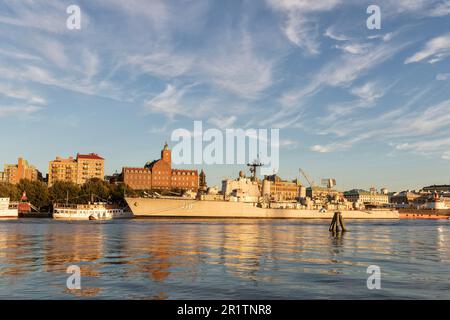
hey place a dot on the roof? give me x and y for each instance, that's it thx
(362, 192)
(89, 156)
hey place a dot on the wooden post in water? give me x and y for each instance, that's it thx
(334, 223)
(337, 220)
(341, 222)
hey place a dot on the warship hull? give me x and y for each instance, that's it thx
(158, 207)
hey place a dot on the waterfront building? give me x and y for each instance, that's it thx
(405, 198)
(281, 190)
(89, 166)
(79, 170)
(371, 197)
(159, 174)
(13, 173)
(323, 193)
(437, 188)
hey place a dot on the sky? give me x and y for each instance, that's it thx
(368, 107)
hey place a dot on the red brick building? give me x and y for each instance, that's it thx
(159, 174)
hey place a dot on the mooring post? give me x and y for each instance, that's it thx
(341, 222)
(334, 223)
(337, 222)
(331, 228)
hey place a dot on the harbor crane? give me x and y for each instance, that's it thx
(310, 181)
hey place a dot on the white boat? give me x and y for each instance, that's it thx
(6, 211)
(91, 211)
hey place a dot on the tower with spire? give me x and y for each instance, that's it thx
(166, 154)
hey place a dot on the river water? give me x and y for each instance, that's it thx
(223, 259)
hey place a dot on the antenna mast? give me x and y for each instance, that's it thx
(253, 166)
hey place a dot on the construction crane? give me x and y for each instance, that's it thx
(310, 181)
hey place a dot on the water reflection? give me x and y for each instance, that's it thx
(182, 258)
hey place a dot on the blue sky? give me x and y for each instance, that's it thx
(367, 107)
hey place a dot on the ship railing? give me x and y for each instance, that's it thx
(81, 206)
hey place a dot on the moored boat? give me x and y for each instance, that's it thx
(434, 208)
(6, 211)
(91, 211)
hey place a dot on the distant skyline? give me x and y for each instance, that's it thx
(367, 107)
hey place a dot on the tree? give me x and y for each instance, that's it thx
(119, 191)
(37, 192)
(8, 190)
(59, 191)
(97, 188)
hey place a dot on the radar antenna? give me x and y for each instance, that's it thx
(253, 166)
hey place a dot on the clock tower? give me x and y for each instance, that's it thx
(166, 154)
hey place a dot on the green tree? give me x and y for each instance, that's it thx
(8, 190)
(37, 192)
(119, 191)
(61, 190)
(97, 188)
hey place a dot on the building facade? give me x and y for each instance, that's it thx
(405, 198)
(89, 166)
(281, 190)
(79, 170)
(13, 173)
(437, 188)
(160, 175)
(371, 197)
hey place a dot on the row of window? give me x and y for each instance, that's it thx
(177, 173)
(164, 178)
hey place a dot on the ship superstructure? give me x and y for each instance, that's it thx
(6, 210)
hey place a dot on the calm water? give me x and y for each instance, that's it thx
(223, 259)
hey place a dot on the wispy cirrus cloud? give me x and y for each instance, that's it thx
(354, 48)
(21, 94)
(369, 91)
(331, 33)
(167, 102)
(48, 16)
(161, 63)
(440, 9)
(299, 27)
(434, 50)
(343, 71)
(239, 69)
(223, 122)
(417, 127)
(18, 111)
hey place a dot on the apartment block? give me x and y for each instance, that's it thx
(78, 170)
(13, 173)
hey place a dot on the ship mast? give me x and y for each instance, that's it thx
(253, 166)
